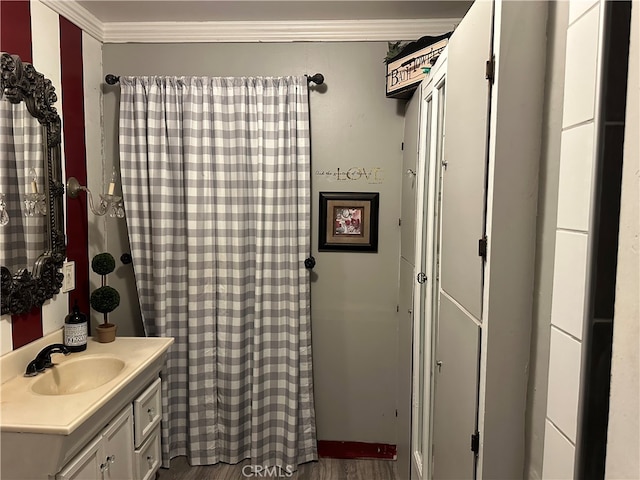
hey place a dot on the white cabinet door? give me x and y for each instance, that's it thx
(109, 456)
(118, 447)
(85, 465)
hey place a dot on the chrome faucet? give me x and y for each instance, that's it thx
(43, 359)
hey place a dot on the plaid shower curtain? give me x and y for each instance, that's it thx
(216, 180)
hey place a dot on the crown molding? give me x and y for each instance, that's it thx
(78, 15)
(270, 31)
(282, 31)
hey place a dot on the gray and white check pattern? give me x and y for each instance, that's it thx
(216, 182)
(24, 238)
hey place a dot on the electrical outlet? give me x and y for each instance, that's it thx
(69, 272)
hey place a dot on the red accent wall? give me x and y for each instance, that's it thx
(75, 156)
(26, 328)
(15, 28)
(15, 38)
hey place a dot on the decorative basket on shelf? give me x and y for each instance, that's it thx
(104, 299)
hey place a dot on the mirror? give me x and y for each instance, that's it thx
(32, 242)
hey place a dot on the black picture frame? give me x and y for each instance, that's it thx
(348, 222)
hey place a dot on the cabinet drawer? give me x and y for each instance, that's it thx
(147, 410)
(147, 457)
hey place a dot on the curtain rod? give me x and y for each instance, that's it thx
(318, 78)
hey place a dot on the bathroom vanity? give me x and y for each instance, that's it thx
(94, 415)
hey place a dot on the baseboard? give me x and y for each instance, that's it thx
(352, 450)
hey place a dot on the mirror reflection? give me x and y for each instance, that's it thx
(32, 240)
(24, 238)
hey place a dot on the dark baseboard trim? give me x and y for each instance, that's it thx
(353, 450)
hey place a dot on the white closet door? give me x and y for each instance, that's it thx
(465, 151)
(458, 329)
(456, 399)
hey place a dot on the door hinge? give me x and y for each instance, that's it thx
(490, 69)
(402, 146)
(397, 308)
(396, 413)
(475, 442)
(399, 222)
(482, 247)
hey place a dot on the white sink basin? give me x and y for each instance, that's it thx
(78, 375)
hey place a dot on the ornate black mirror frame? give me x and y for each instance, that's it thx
(24, 290)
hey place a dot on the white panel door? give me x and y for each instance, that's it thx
(405, 317)
(456, 393)
(465, 151)
(409, 179)
(457, 349)
(426, 284)
(407, 262)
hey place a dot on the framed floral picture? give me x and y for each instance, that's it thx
(348, 222)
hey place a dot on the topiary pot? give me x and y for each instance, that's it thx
(106, 332)
(104, 299)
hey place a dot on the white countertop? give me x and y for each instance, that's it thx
(22, 410)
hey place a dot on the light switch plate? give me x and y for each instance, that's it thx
(69, 272)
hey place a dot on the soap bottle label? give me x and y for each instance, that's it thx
(75, 334)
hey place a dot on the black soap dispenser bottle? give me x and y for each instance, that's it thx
(75, 330)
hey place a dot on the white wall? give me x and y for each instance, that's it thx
(97, 165)
(46, 59)
(517, 101)
(558, 14)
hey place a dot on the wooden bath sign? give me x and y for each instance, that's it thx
(405, 70)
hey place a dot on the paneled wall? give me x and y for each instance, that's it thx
(63, 53)
(575, 194)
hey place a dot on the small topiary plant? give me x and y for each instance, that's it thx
(104, 299)
(103, 264)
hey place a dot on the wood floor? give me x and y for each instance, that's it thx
(324, 469)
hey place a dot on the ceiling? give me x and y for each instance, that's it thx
(226, 10)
